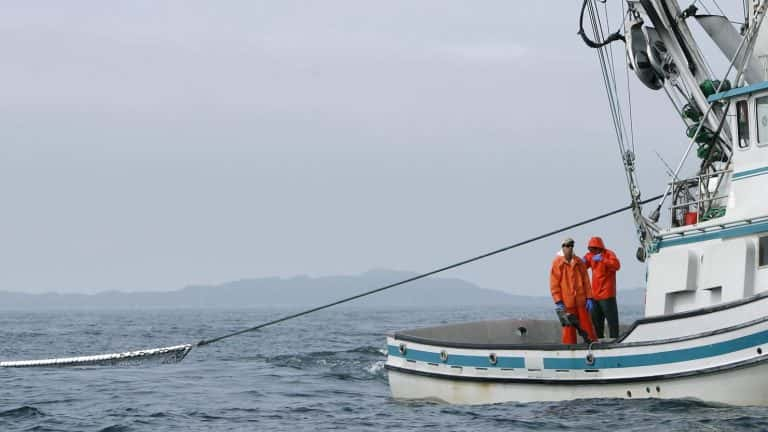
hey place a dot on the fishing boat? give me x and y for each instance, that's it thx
(704, 334)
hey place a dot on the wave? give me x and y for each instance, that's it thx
(23, 412)
(360, 363)
(115, 428)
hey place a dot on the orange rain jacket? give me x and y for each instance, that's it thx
(603, 272)
(569, 282)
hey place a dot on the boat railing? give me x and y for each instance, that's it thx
(699, 198)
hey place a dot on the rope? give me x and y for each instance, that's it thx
(613, 103)
(629, 94)
(423, 275)
(608, 71)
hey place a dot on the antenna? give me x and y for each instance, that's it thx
(670, 172)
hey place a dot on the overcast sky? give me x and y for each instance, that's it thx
(149, 145)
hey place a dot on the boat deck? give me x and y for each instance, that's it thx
(505, 333)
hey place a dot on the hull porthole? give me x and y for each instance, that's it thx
(492, 358)
(443, 356)
(590, 359)
(402, 348)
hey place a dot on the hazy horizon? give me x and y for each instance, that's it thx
(147, 146)
(352, 284)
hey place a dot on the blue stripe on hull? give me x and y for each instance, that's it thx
(738, 91)
(601, 362)
(723, 233)
(652, 359)
(457, 359)
(750, 173)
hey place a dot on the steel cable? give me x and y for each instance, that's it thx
(423, 275)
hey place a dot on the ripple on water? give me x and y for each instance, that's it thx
(115, 428)
(358, 364)
(23, 412)
(322, 377)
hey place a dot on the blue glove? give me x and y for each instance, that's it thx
(597, 258)
(590, 304)
(559, 306)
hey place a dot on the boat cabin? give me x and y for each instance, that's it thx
(716, 248)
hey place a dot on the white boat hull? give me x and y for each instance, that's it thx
(742, 386)
(717, 354)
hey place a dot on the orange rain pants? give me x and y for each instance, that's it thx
(585, 322)
(569, 283)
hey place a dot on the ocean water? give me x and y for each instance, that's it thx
(319, 372)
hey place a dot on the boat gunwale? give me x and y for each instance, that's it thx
(692, 313)
(615, 344)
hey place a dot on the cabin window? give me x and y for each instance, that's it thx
(763, 248)
(742, 123)
(761, 105)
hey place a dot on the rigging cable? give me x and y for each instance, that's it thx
(611, 64)
(676, 104)
(423, 275)
(609, 81)
(644, 228)
(719, 8)
(629, 94)
(590, 43)
(701, 3)
(745, 5)
(683, 16)
(612, 102)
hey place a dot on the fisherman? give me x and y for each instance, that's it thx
(604, 265)
(571, 291)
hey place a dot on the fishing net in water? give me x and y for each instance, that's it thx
(164, 355)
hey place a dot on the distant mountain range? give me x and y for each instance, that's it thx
(300, 291)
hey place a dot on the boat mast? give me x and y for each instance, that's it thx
(690, 68)
(663, 54)
(741, 61)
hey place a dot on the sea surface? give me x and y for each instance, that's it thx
(319, 372)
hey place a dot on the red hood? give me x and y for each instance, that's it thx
(596, 242)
